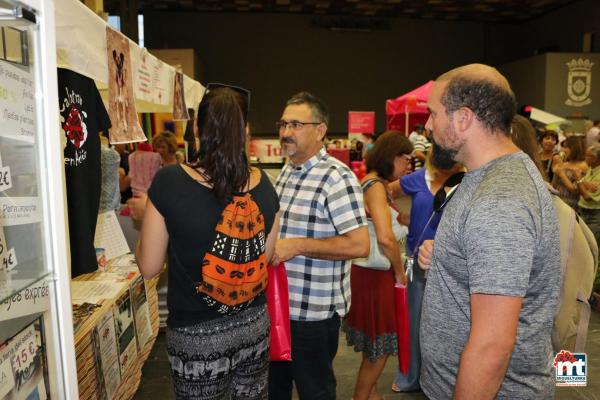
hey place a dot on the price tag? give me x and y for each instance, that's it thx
(9, 261)
(5, 179)
(24, 355)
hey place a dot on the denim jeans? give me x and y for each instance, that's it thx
(314, 346)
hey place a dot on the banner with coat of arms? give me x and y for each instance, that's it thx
(579, 82)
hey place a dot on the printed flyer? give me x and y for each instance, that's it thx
(107, 355)
(125, 329)
(141, 312)
(22, 365)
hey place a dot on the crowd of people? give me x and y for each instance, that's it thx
(482, 232)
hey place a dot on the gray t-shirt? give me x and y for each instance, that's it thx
(498, 235)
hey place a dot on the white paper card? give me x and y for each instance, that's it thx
(109, 236)
(17, 103)
(94, 291)
(20, 210)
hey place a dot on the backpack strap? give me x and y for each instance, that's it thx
(585, 312)
(566, 248)
(582, 298)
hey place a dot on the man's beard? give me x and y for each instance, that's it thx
(442, 158)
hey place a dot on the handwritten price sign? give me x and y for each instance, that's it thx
(5, 179)
(8, 257)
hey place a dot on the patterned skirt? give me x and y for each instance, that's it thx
(225, 358)
(370, 325)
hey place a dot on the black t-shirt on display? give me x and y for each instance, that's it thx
(82, 117)
(191, 212)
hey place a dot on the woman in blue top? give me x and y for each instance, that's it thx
(421, 186)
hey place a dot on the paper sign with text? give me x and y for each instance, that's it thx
(361, 122)
(31, 300)
(20, 210)
(17, 103)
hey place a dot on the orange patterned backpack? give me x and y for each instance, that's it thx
(234, 270)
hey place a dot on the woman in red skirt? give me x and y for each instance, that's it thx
(370, 325)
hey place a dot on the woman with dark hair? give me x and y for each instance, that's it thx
(218, 326)
(548, 141)
(568, 172)
(370, 325)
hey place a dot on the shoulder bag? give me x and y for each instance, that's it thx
(376, 259)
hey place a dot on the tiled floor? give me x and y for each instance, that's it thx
(156, 381)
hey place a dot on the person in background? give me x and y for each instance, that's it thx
(370, 325)
(548, 155)
(165, 144)
(421, 186)
(592, 135)
(323, 227)
(371, 142)
(494, 284)
(110, 195)
(190, 136)
(523, 135)
(417, 130)
(589, 185)
(124, 180)
(184, 206)
(568, 172)
(421, 146)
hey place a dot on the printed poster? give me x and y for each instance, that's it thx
(125, 330)
(141, 312)
(17, 103)
(121, 101)
(107, 355)
(180, 111)
(361, 122)
(153, 79)
(22, 364)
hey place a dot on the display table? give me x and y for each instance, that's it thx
(98, 374)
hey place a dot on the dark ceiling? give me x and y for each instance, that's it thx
(507, 11)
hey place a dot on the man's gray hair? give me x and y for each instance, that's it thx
(317, 106)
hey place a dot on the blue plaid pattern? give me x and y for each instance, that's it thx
(320, 198)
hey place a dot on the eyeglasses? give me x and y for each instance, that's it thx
(442, 198)
(244, 92)
(293, 125)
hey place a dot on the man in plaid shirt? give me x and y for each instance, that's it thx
(323, 227)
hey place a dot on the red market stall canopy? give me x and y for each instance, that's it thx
(411, 104)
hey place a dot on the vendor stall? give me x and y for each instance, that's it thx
(404, 112)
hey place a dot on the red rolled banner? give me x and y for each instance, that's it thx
(402, 328)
